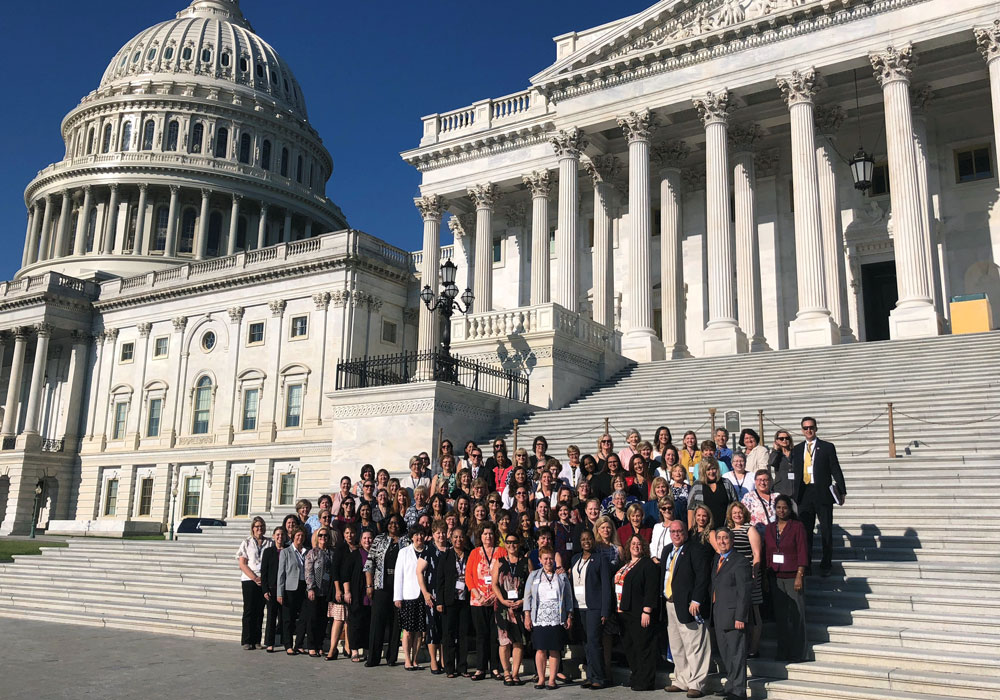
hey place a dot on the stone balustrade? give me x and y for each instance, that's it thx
(47, 282)
(483, 115)
(541, 318)
(417, 257)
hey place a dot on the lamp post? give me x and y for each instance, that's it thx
(446, 303)
(173, 510)
(34, 508)
(862, 164)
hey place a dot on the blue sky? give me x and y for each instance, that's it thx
(369, 71)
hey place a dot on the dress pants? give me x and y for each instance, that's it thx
(692, 651)
(273, 623)
(358, 624)
(384, 617)
(253, 612)
(733, 652)
(315, 613)
(487, 642)
(455, 623)
(789, 618)
(810, 510)
(293, 621)
(588, 625)
(640, 650)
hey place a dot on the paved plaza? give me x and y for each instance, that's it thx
(50, 661)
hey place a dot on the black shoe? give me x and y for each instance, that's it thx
(825, 571)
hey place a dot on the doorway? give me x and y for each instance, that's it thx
(878, 282)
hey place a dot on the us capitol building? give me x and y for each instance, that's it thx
(678, 183)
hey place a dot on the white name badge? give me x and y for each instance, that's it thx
(488, 580)
(791, 476)
(512, 594)
(618, 589)
(569, 546)
(581, 594)
(778, 558)
(546, 593)
(459, 585)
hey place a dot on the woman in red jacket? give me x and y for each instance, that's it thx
(787, 558)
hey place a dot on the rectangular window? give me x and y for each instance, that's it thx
(497, 250)
(121, 413)
(161, 347)
(880, 180)
(146, 496)
(973, 164)
(128, 352)
(111, 498)
(251, 399)
(300, 326)
(552, 242)
(388, 332)
(255, 334)
(293, 407)
(192, 496)
(153, 420)
(286, 489)
(242, 495)
(202, 410)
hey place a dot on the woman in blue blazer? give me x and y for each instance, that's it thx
(590, 576)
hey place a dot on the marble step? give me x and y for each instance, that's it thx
(953, 642)
(220, 631)
(42, 604)
(943, 622)
(221, 605)
(811, 680)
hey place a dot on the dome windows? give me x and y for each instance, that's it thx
(126, 136)
(244, 64)
(186, 53)
(298, 170)
(136, 56)
(168, 53)
(260, 70)
(148, 132)
(151, 54)
(286, 86)
(173, 130)
(106, 140)
(265, 155)
(206, 55)
(186, 242)
(197, 136)
(284, 162)
(90, 141)
(245, 143)
(221, 142)
(124, 60)
(225, 59)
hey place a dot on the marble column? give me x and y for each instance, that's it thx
(828, 121)
(82, 221)
(669, 157)
(540, 183)
(43, 332)
(484, 197)
(140, 220)
(914, 315)
(12, 405)
(77, 373)
(722, 335)
(988, 42)
(34, 231)
(201, 237)
(568, 145)
(286, 231)
(813, 326)
(111, 228)
(749, 307)
(639, 342)
(262, 227)
(62, 232)
(603, 170)
(309, 229)
(920, 97)
(234, 225)
(431, 208)
(170, 249)
(32, 211)
(44, 243)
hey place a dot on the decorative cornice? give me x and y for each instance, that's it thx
(744, 137)
(430, 206)
(235, 313)
(829, 119)
(800, 87)
(180, 323)
(713, 107)
(893, 64)
(452, 153)
(144, 329)
(484, 196)
(603, 168)
(568, 143)
(277, 306)
(539, 182)
(637, 126)
(988, 41)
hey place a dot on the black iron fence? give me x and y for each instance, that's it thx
(409, 367)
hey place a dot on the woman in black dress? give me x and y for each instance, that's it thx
(427, 572)
(352, 581)
(510, 573)
(637, 591)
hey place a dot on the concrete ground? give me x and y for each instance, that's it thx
(52, 661)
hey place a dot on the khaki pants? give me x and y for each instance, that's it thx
(691, 649)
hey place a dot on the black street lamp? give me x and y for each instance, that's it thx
(36, 505)
(446, 304)
(862, 164)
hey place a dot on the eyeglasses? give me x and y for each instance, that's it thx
(476, 455)
(784, 438)
(324, 517)
(666, 509)
(321, 537)
(369, 486)
(809, 427)
(512, 541)
(521, 493)
(605, 441)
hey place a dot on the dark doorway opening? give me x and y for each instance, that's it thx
(878, 283)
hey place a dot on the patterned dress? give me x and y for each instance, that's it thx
(741, 543)
(510, 622)
(432, 555)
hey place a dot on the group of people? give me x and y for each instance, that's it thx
(651, 546)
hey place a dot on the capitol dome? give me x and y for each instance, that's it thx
(196, 144)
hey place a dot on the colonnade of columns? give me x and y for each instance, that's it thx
(60, 225)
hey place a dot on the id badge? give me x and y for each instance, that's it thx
(512, 594)
(569, 546)
(460, 585)
(488, 580)
(778, 558)
(618, 589)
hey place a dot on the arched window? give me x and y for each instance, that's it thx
(244, 64)
(265, 155)
(241, 233)
(90, 141)
(197, 135)
(151, 54)
(148, 131)
(298, 170)
(186, 53)
(214, 233)
(188, 221)
(206, 55)
(224, 59)
(221, 142)
(202, 406)
(284, 162)
(173, 130)
(133, 218)
(162, 219)
(106, 141)
(168, 53)
(245, 143)
(91, 228)
(126, 136)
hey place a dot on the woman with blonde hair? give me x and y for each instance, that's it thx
(702, 532)
(605, 447)
(401, 503)
(319, 583)
(249, 557)
(606, 541)
(712, 491)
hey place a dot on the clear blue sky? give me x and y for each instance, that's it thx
(369, 71)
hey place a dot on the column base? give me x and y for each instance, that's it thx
(724, 340)
(847, 335)
(759, 344)
(642, 346)
(678, 351)
(813, 332)
(917, 321)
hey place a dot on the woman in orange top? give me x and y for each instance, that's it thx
(479, 580)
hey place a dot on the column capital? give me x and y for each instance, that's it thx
(143, 186)
(174, 190)
(766, 162)
(988, 41)
(80, 338)
(539, 182)
(670, 155)
(800, 87)
(829, 118)
(484, 196)
(86, 189)
(743, 137)
(235, 313)
(49, 199)
(430, 206)
(638, 126)
(144, 329)
(180, 323)
(263, 208)
(461, 224)
(110, 335)
(321, 300)
(921, 96)
(693, 179)
(713, 107)
(277, 306)
(603, 168)
(237, 197)
(893, 64)
(569, 143)
(43, 329)
(113, 187)
(205, 193)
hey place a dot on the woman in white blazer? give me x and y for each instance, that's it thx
(408, 599)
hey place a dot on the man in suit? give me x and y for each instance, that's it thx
(479, 471)
(684, 582)
(731, 583)
(815, 468)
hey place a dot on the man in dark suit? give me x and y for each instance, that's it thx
(684, 583)
(731, 583)
(477, 467)
(815, 468)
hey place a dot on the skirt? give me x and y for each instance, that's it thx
(548, 637)
(336, 612)
(412, 617)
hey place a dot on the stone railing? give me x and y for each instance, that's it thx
(484, 115)
(417, 257)
(46, 282)
(541, 318)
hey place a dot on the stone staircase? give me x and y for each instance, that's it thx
(908, 613)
